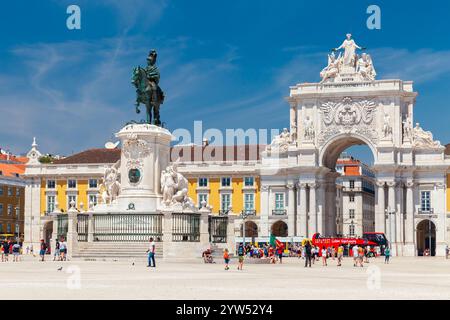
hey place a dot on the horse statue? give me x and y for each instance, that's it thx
(148, 91)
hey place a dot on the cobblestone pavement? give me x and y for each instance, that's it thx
(404, 278)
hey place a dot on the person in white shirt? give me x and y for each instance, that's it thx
(151, 254)
(355, 255)
(324, 256)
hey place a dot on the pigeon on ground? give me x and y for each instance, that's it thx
(132, 264)
(60, 268)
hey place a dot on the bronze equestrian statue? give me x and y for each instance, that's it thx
(148, 91)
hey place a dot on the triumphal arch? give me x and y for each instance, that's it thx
(351, 106)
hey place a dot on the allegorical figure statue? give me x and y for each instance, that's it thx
(148, 92)
(349, 46)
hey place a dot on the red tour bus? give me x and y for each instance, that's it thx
(373, 239)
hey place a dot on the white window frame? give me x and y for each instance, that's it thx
(72, 188)
(351, 213)
(96, 183)
(226, 177)
(252, 201)
(68, 200)
(199, 196)
(46, 184)
(1, 208)
(10, 209)
(253, 182)
(10, 192)
(280, 201)
(422, 208)
(221, 201)
(207, 182)
(48, 202)
(94, 196)
(351, 230)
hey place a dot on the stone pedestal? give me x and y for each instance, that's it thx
(231, 240)
(72, 234)
(145, 152)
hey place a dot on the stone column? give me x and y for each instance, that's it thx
(321, 207)
(54, 233)
(204, 224)
(301, 221)
(392, 236)
(231, 241)
(72, 234)
(312, 225)
(291, 210)
(90, 227)
(264, 227)
(409, 223)
(380, 215)
(167, 233)
(399, 213)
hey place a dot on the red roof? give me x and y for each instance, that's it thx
(92, 156)
(184, 153)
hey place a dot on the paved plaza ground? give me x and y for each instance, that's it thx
(404, 278)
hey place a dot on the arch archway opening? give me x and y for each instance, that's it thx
(280, 229)
(426, 238)
(251, 229)
(47, 231)
(350, 197)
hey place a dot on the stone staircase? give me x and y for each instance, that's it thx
(115, 251)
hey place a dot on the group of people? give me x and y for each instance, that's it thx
(11, 247)
(60, 253)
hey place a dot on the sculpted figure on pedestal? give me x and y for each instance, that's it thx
(387, 129)
(281, 141)
(111, 184)
(365, 67)
(174, 187)
(332, 69)
(424, 139)
(309, 128)
(349, 46)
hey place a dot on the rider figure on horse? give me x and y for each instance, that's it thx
(148, 92)
(152, 75)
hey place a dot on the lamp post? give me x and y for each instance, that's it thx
(244, 215)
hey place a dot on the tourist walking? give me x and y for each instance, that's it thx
(56, 254)
(16, 251)
(307, 250)
(313, 254)
(5, 253)
(42, 250)
(226, 258)
(333, 253)
(361, 256)
(241, 254)
(324, 256)
(355, 255)
(340, 255)
(387, 254)
(280, 253)
(63, 249)
(151, 254)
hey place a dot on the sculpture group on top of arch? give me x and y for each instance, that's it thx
(349, 64)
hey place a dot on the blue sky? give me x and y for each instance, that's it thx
(227, 63)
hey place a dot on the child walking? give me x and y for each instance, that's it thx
(226, 258)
